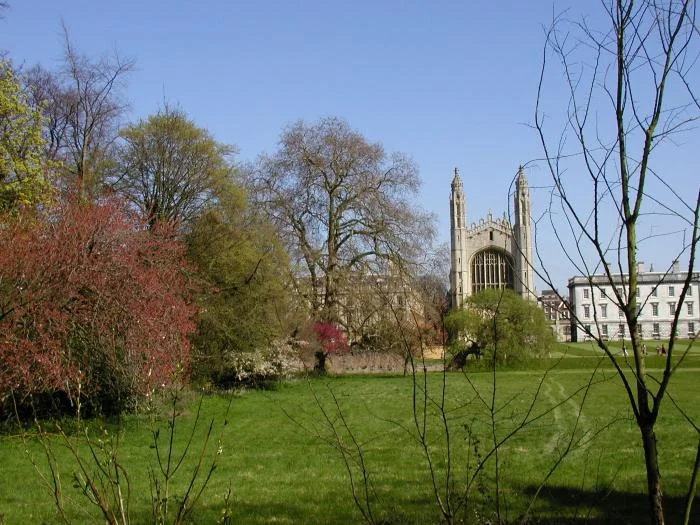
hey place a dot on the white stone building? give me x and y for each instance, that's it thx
(490, 253)
(592, 300)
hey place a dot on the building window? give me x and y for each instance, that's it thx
(671, 308)
(619, 292)
(604, 310)
(653, 291)
(621, 330)
(620, 312)
(586, 311)
(655, 331)
(671, 291)
(605, 331)
(585, 293)
(689, 306)
(691, 329)
(587, 329)
(690, 290)
(655, 309)
(491, 269)
(603, 293)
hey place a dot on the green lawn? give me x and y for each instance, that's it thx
(280, 470)
(590, 349)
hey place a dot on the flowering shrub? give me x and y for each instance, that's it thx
(278, 361)
(92, 306)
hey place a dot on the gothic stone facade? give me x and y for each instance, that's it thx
(492, 253)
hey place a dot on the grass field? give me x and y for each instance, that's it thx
(590, 349)
(275, 457)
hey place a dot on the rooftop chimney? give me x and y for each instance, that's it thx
(676, 268)
(640, 267)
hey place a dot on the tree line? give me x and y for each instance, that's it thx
(139, 254)
(123, 241)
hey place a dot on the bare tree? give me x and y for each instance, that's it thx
(630, 96)
(94, 107)
(82, 104)
(342, 203)
(48, 94)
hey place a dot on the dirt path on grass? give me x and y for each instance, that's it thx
(564, 412)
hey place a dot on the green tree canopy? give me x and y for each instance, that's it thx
(22, 180)
(243, 300)
(170, 168)
(500, 321)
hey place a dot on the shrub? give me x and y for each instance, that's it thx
(93, 307)
(260, 367)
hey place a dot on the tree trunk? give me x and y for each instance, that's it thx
(691, 488)
(331, 314)
(330, 306)
(655, 494)
(320, 365)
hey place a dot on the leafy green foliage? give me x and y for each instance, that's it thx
(170, 168)
(22, 180)
(500, 323)
(243, 298)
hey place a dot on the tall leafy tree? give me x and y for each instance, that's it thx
(343, 205)
(244, 300)
(501, 325)
(22, 170)
(169, 167)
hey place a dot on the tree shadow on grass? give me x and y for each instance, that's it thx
(594, 507)
(330, 512)
(558, 505)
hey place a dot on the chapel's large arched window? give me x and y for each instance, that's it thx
(491, 269)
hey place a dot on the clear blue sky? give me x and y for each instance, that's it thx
(450, 83)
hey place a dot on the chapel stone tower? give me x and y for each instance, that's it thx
(522, 238)
(491, 253)
(458, 262)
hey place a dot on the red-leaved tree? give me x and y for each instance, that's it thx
(93, 307)
(332, 341)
